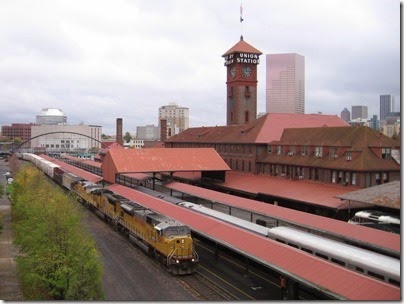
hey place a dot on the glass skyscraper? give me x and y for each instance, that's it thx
(285, 83)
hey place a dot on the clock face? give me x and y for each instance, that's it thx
(246, 71)
(233, 72)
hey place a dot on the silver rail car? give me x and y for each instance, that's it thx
(356, 259)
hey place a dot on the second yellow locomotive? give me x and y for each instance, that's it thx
(165, 238)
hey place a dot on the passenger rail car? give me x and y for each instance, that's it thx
(363, 261)
(167, 239)
(378, 220)
(374, 217)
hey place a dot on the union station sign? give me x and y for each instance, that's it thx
(242, 58)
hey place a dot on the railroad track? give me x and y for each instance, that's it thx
(205, 289)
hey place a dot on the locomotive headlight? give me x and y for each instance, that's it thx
(177, 261)
(193, 260)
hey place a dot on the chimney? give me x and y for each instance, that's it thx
(119, 136)
(163, 129)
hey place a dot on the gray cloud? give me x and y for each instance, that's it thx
(99, 60)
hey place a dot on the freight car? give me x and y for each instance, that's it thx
(360, 260)
(167, 239)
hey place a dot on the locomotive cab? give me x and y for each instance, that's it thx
(180, 251)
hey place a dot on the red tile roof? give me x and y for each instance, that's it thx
(265, 184)
(359, 140)
(275, 124)
(303, 191)
(161, 160)
(338, 136)
(83, 160)
(91, 163)
(262, 130)
(242, 47)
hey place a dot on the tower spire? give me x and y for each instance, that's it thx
(241, 21)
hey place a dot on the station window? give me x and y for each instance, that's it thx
(333, 152)
(269, 151)
(376, 275)
(337, 262)
(307, 250)
(246, 116)
(353, 179)
(333, 177)
(322, 256)
(305, 150)
(386, 153)
(318, 151)
(394, 282)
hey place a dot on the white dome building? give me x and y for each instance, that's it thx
(50, 116)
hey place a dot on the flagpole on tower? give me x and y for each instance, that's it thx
(241, 21)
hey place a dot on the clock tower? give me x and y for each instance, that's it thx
(241, 62)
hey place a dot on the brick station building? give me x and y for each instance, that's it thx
(319, 148)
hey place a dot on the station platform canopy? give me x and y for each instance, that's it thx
(155, 160)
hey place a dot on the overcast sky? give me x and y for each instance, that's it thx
(100, 60)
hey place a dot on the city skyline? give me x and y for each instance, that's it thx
(101, 60)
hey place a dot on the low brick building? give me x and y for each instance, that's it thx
(18, 131)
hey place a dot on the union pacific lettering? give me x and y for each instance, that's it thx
(139, 222)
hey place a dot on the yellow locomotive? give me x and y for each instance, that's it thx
(168, 240)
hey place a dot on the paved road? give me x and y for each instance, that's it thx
(10, 288)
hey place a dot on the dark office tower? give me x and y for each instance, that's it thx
(386, 106)
(119, 136)
(346, 115)
(359, 112)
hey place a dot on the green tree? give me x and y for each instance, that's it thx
(17, 140)
(60, 260)
(127, 137)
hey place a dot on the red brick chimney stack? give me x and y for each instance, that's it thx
(119, 135)
(163, 129)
